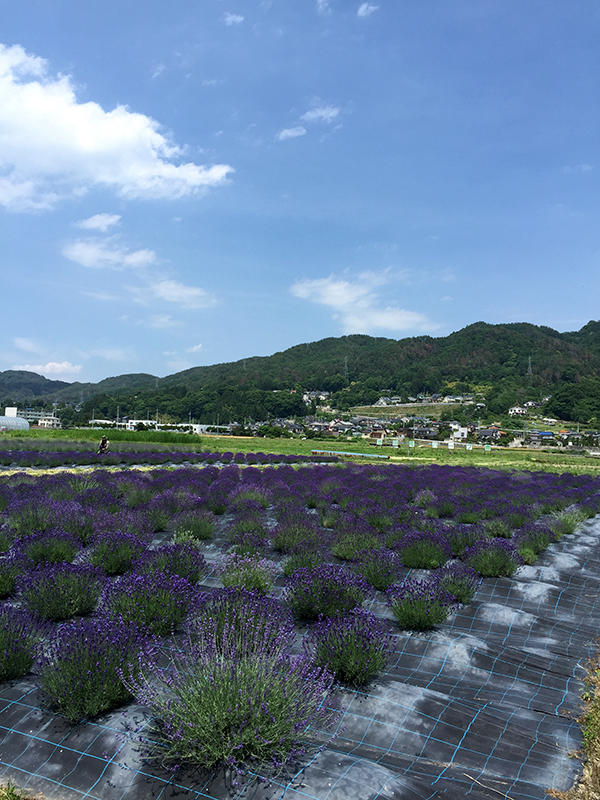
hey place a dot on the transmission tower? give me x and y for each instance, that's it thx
(529, 372)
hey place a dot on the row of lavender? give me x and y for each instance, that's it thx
(78, 548)
(49, 459)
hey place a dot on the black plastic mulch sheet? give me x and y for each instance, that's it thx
(482, 707)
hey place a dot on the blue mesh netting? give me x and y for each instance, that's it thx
(482, 707)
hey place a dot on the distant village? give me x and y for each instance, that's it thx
(388, 429)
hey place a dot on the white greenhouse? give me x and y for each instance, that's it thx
(13, 424)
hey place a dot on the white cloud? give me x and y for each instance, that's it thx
(580, 168)
(102, 296)
(366, 9)
(158, 70)
(232, 19)
(291, 133)
(187, 296)
(178, 365)
(358, 306)
(323, 6)
(321, 114)
(27, 344)
(194, 349)
(55, 147)
(51, 368)
(162, 321)
(101, 254)
(113, 353)
(99, 222)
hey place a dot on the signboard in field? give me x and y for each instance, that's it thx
(450, 445)
(487, 447)
(434, 445)
(469, 447)
(411, 443)
(379, 442)
(395, 442)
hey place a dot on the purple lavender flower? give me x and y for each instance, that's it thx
(20, 633)
(459, 580)
(240, 713)
(156, 603)
(239, 621)
(182, 559)
(254, 574)
(420, 604)
(422, 550)
(79, 667)
(355, 646)
(115, 551)
(379, 566)
(60, 591)
(325, 590)
(493, 558)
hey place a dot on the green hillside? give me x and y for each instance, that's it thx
(509, 363)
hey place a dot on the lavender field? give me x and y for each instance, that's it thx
(266, 625)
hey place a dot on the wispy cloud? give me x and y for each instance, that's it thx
(113, 353)
(161, 321)
(321, 114)
(99, 254)
(186, 296)
(29, 345)
(366, 9)
(53, 368)
(358, 305)
(580, 168)
(194, 349)
(323, 6)
(102, 296)
(54, 146)
(291, 133)
(232, 19)
(99, 222)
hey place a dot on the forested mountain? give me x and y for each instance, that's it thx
(508, 363)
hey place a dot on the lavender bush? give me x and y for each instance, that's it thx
(182, 559)
(156, 603)
(115, 551)
(493, 558)
(199, 524)
(49, 547)
(358, 537)
(422, 550)
(380, 567)
(355, 646)
(251, 573)
(60, 591)
(302, 557)
(419, 605)
(294, 530)
(459, 580)
(565, 522)
(235, 712)
(9, 569)
(325, 591)
(243, 620)
(460, 537)
(531, 540)
(20, 633)
(79, 666)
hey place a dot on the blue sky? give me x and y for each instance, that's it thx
(197, 182)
